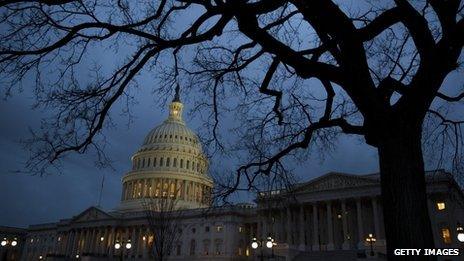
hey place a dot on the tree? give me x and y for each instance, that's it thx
(381, 68)
(164, 220)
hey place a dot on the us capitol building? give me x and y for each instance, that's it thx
(328, 218)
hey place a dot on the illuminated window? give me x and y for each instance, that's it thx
(247, 251)
(219, 228)
(445, 234)
(441, 205)
(240, 229)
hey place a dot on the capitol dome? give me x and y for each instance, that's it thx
(170, 163)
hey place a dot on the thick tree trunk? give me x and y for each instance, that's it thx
(407, 221)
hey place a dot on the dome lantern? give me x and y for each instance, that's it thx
(175, 108)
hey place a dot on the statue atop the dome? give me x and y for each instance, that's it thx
(175, 108)
(177, 94)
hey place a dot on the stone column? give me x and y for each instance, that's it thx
(104, 244)
(86, 242)
(330, 243)
(142, 189)
(77, 241)
(133, 240)
(145, 243)
(92, 240)
(123, 194)
(184, 190)
(376, 218)
(111, 241)
(315, 229)
(289, 226)
(265, 226)
(68, 243)
(346, 244)
(302, 229)
(360, 224)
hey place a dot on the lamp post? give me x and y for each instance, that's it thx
(6, 243)
(268, 243)
(121, 245)
(371, 240)
(460, 233)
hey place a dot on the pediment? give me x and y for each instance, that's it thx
(91, 214)
(334, 181)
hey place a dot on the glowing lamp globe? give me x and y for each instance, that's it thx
(128, 245)
(461, 237)
(254, 245)
(3, 243)
(269, 244)
(117, 246)
(14, 243)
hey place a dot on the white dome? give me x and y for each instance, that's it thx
(170, 133)
(170, 163)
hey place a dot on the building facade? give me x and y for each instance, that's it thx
(327, 218)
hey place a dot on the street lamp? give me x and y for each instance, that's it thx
(460, 233)
(371, 240)
(8, 244)
(118, 245)
(269, 243)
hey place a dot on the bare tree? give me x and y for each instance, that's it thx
(304, 71)
(164, 220)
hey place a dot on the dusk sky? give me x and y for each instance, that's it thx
(30, 199)
(33, 199)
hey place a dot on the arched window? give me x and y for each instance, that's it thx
(143, 163)
(188, 164)
(181, 163)
(175, 163)
(154, 162)
(192, 247)
(149, 161)
(161, 162)
(193, 165)
(168, 162)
